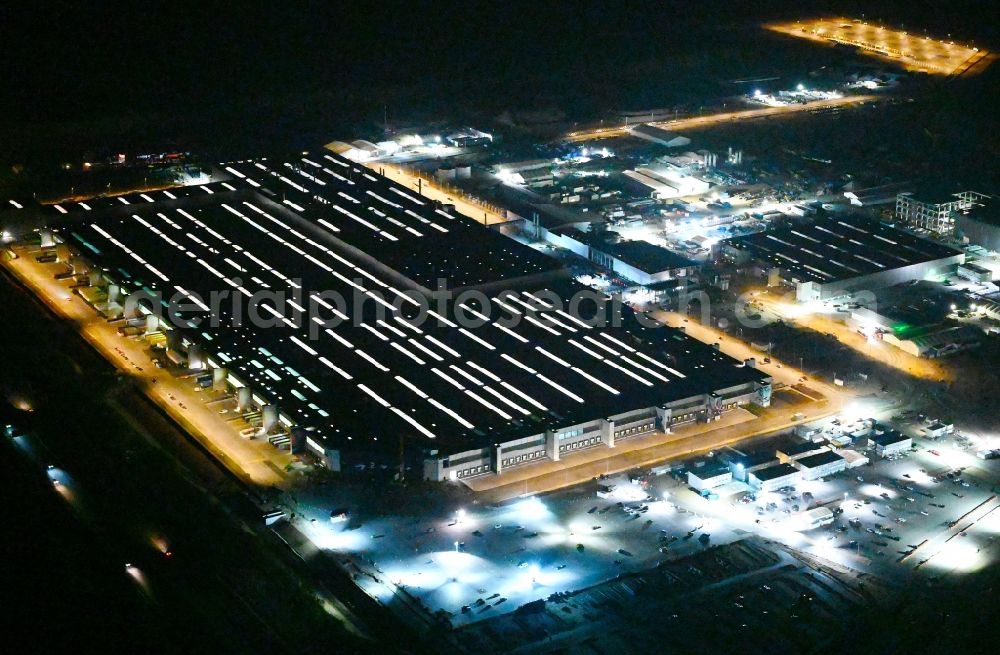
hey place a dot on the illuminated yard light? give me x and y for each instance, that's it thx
(532, 508)
(959, 556)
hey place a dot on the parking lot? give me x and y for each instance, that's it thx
(929, 511)
(473, 561)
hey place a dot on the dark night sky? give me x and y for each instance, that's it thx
(201, 74)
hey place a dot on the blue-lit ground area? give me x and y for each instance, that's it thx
(928, 513)
(475, 562)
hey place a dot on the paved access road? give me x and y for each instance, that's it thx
(256, 462)
(722, 118)
(880, 351)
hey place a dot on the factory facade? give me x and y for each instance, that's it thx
(639, 261)
(649, 132)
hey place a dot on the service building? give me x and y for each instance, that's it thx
(891, 442)
(820, 465)
(774, 477)
(709, 477)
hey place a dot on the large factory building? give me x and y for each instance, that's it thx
(837, 256)
(329, 331)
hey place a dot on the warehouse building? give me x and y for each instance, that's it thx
(336, 260)
(639, 261)
(891, 442)
(915, 319)
(975, 273)
(657, 189)
(938, 429)
(709, 477)
(853, 458)
(665, 182)
(820, 465)
(811, 519)
(938, 341)
(649, 132)
(743, 464)
(835, 256)
(642, 262)
(774, 477)
(980, 224)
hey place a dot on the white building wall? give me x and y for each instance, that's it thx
(776, 483)
(893, 449)
(567, 242)
(699, 483)
(811, 291)
(574, 437)
(824, 470)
